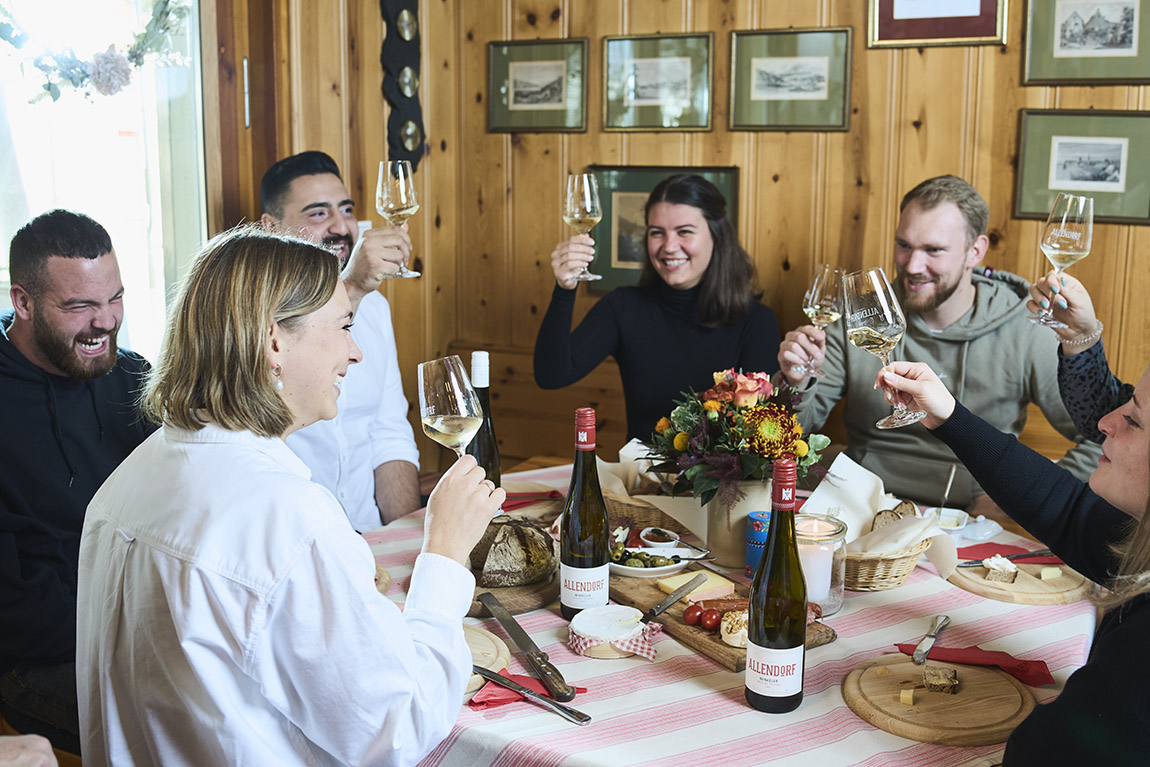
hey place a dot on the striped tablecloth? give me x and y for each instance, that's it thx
(684, 708)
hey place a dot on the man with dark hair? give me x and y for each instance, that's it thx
(970, 328)
(366, 455)
(68, 419)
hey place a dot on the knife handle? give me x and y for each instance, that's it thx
(551, 678)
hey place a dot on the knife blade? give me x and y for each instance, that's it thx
(574, 715)
(675, 596)
(544, 669)
(1019, 555)
(923, 649)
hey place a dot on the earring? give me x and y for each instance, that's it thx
(279, 382)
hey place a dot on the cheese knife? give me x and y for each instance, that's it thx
(576, 716)
(1019, 555)
(674, 597)
(923, 649)
(544, 669)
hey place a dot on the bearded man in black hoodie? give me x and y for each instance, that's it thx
(67, 419)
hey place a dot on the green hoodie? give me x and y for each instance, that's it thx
(992, 359)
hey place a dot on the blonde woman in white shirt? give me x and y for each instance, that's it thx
(227, 612)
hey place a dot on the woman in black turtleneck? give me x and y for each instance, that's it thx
(695, 311)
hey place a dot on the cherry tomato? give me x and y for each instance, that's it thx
(710, 619)
(692, 614)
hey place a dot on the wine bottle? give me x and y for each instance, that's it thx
(484, 446)
(584, 549)
(777, 619)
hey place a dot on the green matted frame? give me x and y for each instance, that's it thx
(1100, 154)
(791, 79)
(988, 27)
(621, 236)
(1060, 50)
(657, 82)
(537, 86)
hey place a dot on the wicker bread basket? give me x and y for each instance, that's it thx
(639, 514)
(877, 572)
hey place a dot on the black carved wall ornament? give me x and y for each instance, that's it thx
(400, 59)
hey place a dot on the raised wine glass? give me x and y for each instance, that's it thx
(395, 200)
(1065, 240)
(875, 323)
(581, 211)
(823, 304)
(449, 409)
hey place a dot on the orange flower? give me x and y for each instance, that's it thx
(712, 406)
(663, 424)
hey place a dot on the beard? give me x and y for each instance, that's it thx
(913, 303)
(336, 240)
(61, 350)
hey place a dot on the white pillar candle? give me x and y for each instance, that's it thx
(816, 559)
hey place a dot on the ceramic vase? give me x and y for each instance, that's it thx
(727, 525)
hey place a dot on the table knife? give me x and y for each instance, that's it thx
(576, 716)
(544, 669)
(1019, 555)
(927, 642)
(675, 596)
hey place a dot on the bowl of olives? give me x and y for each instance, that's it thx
(648, 563)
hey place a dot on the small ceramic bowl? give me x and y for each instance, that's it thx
(663, 539)
(952, 521)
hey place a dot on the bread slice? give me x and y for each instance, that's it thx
(938, 679)
(999, 569)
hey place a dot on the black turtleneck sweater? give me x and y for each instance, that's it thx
(60, 438)
(661, 348)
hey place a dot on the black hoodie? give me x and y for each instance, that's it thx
(60, 438)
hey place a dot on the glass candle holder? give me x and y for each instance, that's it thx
(822, 554)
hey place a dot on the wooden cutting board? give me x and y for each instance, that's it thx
(643, 594)
(487, 651)
(1028, 588)
(988, 706)
(518, 599)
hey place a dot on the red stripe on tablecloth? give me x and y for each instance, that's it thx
(405, 558)
(390, 537)
(928, 754)
(881, 616)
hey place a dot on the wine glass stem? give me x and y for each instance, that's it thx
(460, 451)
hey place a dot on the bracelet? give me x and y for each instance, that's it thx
(1086, 339)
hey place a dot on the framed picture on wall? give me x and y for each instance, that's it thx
(916, 23)
(1075, 42)
(657, 83)
(621, 236)
(791, 79)
(537, 86)
(1104, 155)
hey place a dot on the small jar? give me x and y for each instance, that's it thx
(822, 554)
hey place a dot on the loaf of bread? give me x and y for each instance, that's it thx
(513, 551)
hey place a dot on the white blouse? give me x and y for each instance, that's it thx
(228, 615)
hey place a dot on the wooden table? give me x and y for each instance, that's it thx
(685, 708)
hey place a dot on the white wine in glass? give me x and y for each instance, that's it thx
(395, 200)
(823, 304)
(875, 324)
(581, 211)
(449, 408)
(1065, 241)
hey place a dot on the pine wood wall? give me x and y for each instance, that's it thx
(490, 214)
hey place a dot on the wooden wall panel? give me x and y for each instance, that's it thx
(491, 200)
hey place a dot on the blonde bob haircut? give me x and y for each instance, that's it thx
(213, 365)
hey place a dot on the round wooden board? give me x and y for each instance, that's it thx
(518, 599)
(1028, 588)
(988, 706)
(487, 650)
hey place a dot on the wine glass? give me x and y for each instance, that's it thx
(449, 408)
(1065, 240)
(823, 304)
(875, 323)
(395, 200)
(581, 211)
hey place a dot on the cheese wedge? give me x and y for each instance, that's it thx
(906, 697)
(715, 587)
(1050, 573)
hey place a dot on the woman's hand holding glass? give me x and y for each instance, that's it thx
(459, 510)
(918, 387)
(1068, 299)
(802, 349)
(570, 258)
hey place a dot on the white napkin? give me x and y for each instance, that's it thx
(908, 532)
(850, 493)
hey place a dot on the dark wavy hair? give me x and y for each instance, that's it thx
(730, 283)
(275, 183)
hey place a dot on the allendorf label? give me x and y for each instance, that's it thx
(583, 587)
(774, 673)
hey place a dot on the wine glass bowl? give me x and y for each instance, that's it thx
(396, 201)
(875, 323)
(823, 304)
(449, 408)
(1065, 240)
(581, 211)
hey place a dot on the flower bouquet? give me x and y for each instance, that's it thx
(733, 431)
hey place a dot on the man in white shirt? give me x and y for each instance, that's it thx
(366, 455)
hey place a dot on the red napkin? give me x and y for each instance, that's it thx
(519, 500)
(1032, 672)
(492, 694)
(986, 550)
